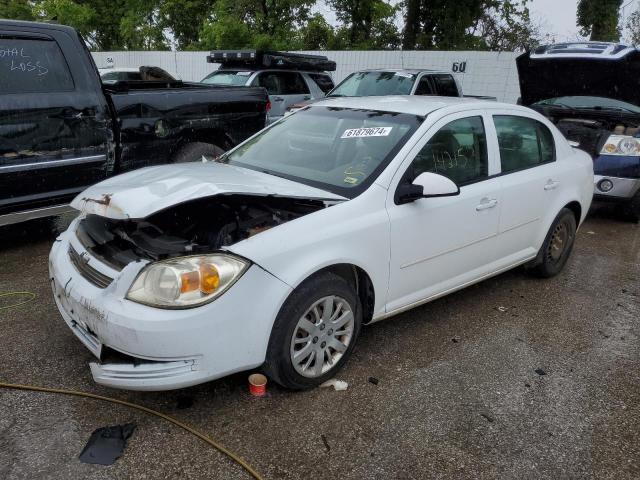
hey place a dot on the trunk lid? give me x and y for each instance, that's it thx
(143, 192)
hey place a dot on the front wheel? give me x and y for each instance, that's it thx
(314, 333)
(557, 245)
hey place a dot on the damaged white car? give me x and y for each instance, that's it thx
(345, 213)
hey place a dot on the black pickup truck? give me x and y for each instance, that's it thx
(62, 130)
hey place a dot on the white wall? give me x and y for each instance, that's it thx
(486, 73)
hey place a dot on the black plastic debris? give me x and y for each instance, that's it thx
(326, 443)
(488, 418)
(540, 371)
(373, 380)
(107, 444)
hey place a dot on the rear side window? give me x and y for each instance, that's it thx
(282, 83)
(292, 83)
(29, 65)
(445, 85)
(424, 87)
(523, 142)
(324, 82)
(457, 151)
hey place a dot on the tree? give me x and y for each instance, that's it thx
(599, 19)
(185, 19)
(367, 24)
(633, 24)
(316, 34)
(16, 9)
(507, 27)
(468, 24)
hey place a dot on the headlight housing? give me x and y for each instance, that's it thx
(621, 145)
(186, 282)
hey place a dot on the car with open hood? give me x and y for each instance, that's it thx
(274, 256)
(589, 90)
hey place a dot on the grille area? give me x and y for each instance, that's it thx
(98, 279)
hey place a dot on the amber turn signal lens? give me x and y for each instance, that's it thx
(190, 282)
(209, 278)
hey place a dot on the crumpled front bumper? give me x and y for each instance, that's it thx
(163, 349)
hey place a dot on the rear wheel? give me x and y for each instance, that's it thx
(314, 333)
(557, 245)
(196, 152)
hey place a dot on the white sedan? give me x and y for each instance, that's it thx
(348, 212)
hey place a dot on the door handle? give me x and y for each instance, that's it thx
(278, 99)
(307, 97)
(486, 204)
(551, 185)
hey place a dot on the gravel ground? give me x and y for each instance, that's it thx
(511, 378)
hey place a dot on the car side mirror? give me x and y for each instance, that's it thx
(426, 185)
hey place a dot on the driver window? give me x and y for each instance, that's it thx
(457, 151)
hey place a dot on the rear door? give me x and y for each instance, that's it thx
(530, 181)
(284, 89)
(53, 122)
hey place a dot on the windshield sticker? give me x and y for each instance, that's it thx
(402, 74)
(350, 180)
(244, 74)
(367, 132)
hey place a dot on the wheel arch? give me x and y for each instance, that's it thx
(358, 278)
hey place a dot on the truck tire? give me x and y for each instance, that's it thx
(195, 151)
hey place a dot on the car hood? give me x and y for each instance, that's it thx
(545, 78)
(143, 192)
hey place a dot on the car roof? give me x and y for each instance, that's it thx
(36, 26)
(410, 104)
(403, 70)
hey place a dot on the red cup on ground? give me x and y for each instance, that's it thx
(257, 384)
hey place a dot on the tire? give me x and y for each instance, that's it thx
(293, 333)
(193, 152)
(632, 209)
(557, 246)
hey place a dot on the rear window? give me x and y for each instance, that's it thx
(364, 84)
(446, 85)
(29, 65)
(324, 82)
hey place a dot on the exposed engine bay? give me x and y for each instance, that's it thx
(591, 130)
(202, 225)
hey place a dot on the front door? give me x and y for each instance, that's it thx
(440, 244)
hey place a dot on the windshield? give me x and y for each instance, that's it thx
(364, 84)
(335, 149)
(585, 102)
(227, 77)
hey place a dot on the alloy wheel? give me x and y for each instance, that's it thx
(322, 336)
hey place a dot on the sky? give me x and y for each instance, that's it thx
(557, 18)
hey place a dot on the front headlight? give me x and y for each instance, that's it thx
(186, 281)
(621, 145)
